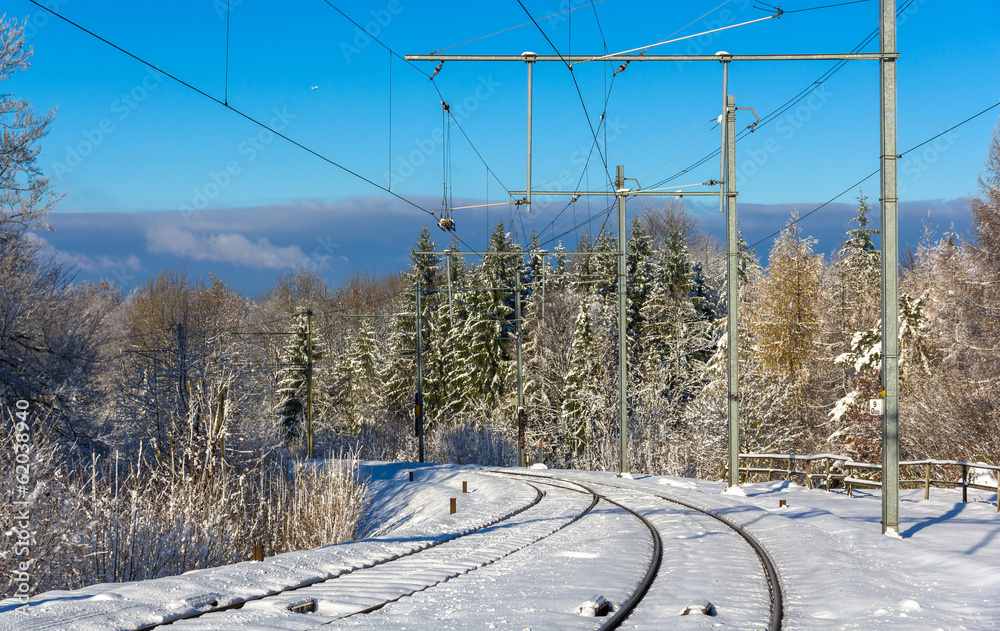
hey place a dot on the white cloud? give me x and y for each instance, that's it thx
(99, 263)
(228, 247)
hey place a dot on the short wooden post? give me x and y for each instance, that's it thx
(927, 481)
(411, 476)
(465, 486)
(454, 506)
(782, 503)
(965, 483)
(809, 474)
(258, 552)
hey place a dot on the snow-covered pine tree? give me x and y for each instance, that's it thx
(606, 266)
(676, 338)
(399, 373)
(295, 370)
(857, 273)
(365, 357)
(559, 269)
(639, 261)
(579, 395)
(485, 371)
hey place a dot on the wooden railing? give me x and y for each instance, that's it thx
(833, 470)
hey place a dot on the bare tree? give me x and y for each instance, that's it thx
(26, 196)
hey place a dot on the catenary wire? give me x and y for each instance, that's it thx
(511, 28)
(229, 107)
(770, 117)
(872, 174)
(827, 6)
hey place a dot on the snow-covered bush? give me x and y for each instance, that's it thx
(469, 443)
(158, 514)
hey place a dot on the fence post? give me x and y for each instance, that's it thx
(965, 483)
(827, 474)
(998, 491)
(809, 473)
(927, 480)
(791, 459)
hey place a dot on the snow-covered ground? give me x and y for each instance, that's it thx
(534, 570)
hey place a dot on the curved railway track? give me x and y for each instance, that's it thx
(376, 583)
(615, 618)
(767, 564)
(309, 605)
(621, 612)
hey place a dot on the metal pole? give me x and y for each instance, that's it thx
(529, 58)
(419, 397)
(890, 279)
(309, 383)
(622, 357)
(732, 288)
(520, 384)
(723, 155)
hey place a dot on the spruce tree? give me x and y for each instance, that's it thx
(366, 396)
(291, 390)
(639, 261)
(857, 274)
(400, 372)
(485, 370)
(579, 395)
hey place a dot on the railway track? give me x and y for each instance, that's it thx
(631, 495)
(369, 588)
(624, 525)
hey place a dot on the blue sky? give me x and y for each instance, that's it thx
(158, 175)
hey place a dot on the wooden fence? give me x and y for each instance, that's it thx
(832, 470)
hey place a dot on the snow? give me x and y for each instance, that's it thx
(837, 571)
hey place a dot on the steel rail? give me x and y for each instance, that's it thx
(593, 504)
(770, 571)
(240, 603)
(621, 612)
